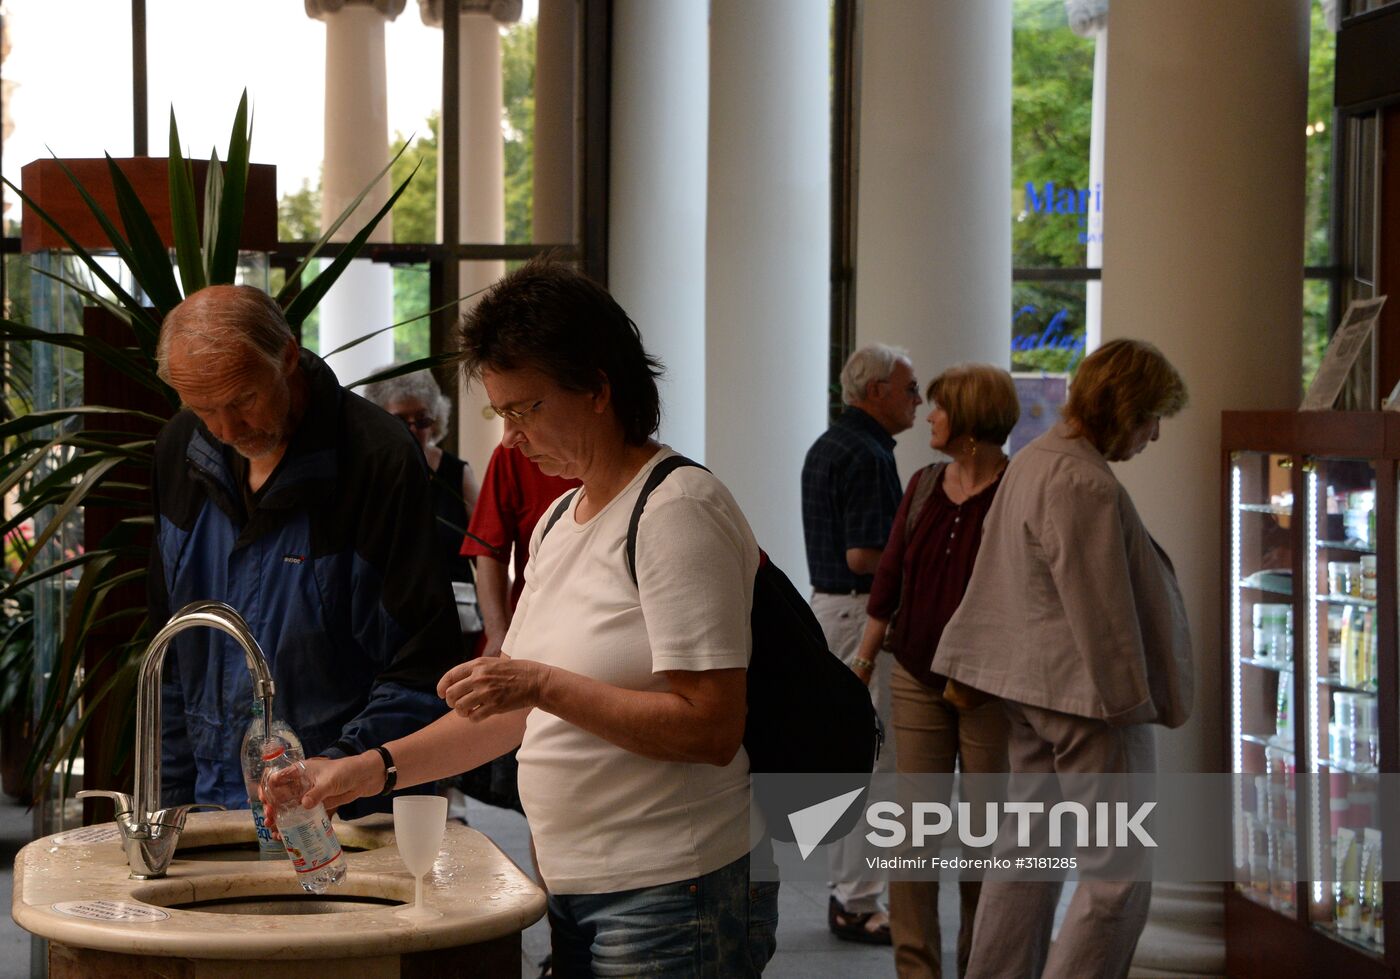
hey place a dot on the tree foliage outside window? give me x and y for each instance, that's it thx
(1317, 211)
(1052, 88)
(1052, 72)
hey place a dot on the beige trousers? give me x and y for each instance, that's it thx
(1011, 939)
(933, 737)
(842, 619)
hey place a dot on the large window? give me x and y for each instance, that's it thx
(1056, 205)
(1057, 197)
(1322, 282)
(88, 77)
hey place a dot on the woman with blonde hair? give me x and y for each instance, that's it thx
(923, 573)
(1073, 617)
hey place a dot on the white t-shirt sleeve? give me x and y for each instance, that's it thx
(696, 559)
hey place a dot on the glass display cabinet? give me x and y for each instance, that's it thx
(1310, 683)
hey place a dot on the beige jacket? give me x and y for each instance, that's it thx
(1072, 606)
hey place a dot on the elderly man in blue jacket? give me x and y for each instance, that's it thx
(307, 509)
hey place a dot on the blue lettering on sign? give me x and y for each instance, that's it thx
(1050, 199)
(1053, 337)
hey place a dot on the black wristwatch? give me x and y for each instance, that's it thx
(391, 773)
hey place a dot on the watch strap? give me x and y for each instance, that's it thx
(391, 772)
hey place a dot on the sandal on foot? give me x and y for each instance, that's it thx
(857, 926)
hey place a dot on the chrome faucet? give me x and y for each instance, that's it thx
(149, 832)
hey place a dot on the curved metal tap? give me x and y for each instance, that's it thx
(150, 833)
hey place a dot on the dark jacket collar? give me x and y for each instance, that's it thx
(861, 421)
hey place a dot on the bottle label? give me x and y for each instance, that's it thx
(266, 841)
(311, 845)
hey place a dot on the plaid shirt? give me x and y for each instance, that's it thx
(850, 492)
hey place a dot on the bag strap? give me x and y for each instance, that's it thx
(559, 511)
(928, 476)
(658, 473)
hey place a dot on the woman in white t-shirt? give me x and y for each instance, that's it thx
(627, 700)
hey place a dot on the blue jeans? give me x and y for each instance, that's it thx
(718, 925)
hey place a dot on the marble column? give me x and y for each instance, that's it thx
(1089, 18)
(481, 180)
(356, 148)
(1203, 256)
(656, 199)
(767, 285)
(933, 241)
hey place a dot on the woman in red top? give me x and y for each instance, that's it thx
(922, 576)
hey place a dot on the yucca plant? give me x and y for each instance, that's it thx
(56, 462)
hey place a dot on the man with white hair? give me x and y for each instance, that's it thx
(307, 509)
(850, 492)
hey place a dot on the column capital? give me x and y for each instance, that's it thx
(1087, 17)
(503, 11)
(321, 9)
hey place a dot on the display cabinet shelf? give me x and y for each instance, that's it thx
(1351, 939)
(1358, 601)
(1266, 741)
(1346, 545)
(1279, 666)
(1333, 681)
(1312, 680)
(1350, 767)
(1273, 584)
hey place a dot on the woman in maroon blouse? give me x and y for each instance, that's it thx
(922, 576)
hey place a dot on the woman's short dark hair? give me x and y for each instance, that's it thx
(1120, 387)
(980, 400)
(548, 316)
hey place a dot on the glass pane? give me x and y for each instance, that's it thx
(411, 305)
(1047, 326)
(1355, 7)
(1317, 213)
(277, 52)
(1316, 326)
(1359, 243)
(270, 48)
(1263, 688)
(1343, 725)
(77, 102)
(1053, 203)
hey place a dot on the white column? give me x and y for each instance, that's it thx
(481, 212)
(656, 200)
(767, 257)
(1203, 256)
(933, 238)
(556, 143)
(357, 147)
(1089, 18)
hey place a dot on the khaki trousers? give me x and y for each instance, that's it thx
(934, 736)
(1105, 918)
(842, 619)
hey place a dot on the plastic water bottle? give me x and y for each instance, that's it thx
(311, 843)
(251, 753)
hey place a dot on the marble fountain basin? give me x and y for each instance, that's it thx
(222, 912)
